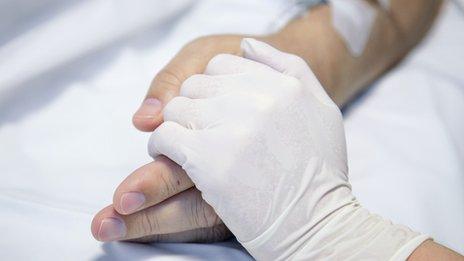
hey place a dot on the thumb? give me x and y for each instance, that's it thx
(191, 59)
(170, 139)
(285, 63)
(164, 87)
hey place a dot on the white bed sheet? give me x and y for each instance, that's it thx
(69, 83)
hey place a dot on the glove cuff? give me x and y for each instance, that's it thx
(353, 233)
(348, 233)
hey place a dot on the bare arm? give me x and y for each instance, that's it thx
(393, 35)
(430, 250)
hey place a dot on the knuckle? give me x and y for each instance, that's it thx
(178, 107)
(220, 232)
(161, 132)
(216, 233)
(152, 144)
(195, 213)
(209, 215)
(264, 102)
(202, 215)
(173, 105)
(169, 78)
(293, 86)
(194, 79)
(165, 128)
(166, 186)
(296, 60)
(191, 84)
(147, 223)
(219, 59)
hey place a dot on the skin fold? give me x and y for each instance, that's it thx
(173, 210)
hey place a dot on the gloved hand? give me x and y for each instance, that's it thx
(265, 145)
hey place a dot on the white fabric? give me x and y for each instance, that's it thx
(66, 139)
(265, 145)
(405, 134)
(91, 18)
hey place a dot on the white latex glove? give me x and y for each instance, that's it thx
(265, 145)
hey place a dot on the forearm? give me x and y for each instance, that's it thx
(393, 34)
(430, 250)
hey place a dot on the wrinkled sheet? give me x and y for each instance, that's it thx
(73, 72)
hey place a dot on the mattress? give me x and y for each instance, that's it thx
(69, 86)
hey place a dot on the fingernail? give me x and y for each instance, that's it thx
(131, 202)
(150, 108)
(111, 229)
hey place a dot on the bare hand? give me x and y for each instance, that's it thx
(158, 203)
(162, 204)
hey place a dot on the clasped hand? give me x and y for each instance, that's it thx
(263, 142)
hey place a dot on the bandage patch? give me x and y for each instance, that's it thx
(385, 4)
(353, 20)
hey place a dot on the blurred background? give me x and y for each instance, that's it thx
(72, 73)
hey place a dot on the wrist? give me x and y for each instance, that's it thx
(356, 234)
(311, 37)
(301, 222)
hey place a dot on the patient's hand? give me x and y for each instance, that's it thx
(173, 209)
(169, 209)
(192, 59)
